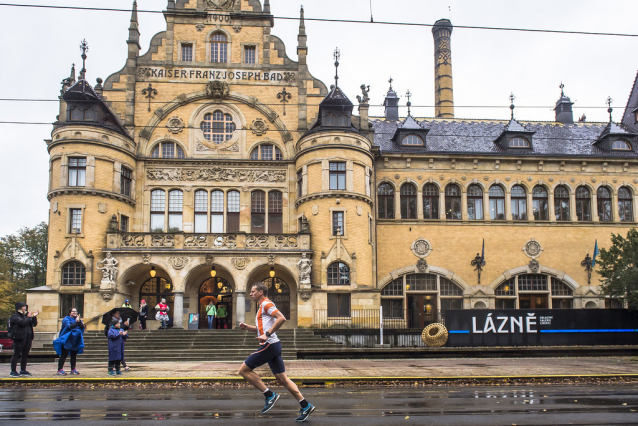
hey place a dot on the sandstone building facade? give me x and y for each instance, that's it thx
(214, 161)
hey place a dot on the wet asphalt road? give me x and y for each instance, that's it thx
(526, 405)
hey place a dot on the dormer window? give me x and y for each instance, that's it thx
(412, 140)
(218, 127)
(620, 145)
(338, 120)
(83, 114)
(519, 142)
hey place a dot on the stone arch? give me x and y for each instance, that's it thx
(592, 188)
(388, 181)
(218, 30)
(412, 269)
(483, 186)
(563, 183)
(508, 188)
(253, 146)
(261, 270)
(407, 180)
(506, 275)
(624, 184)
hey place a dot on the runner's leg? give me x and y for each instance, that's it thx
(283, 379)
(252, 377)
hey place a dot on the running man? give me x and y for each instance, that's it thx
(268, 321)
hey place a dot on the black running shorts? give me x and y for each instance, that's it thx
(269, 353)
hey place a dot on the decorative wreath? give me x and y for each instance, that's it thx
(434, 335)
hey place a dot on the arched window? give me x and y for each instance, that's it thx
(506, 295)
(167, 150)
(453, 202)
(154, 290)
(338, 274)
(448, 288)
(257, 212)
(561, 203)
(201, 211)
(232, 215)
(475, 202)
(279, 293)
(393, 305)
(583, 204)
(175, 207)
(217, 211)
(430, 201)
(395, 288)
(519, 203)
(420, 282)
(412, 140)
(562, 295)
(73, 273)
(518, 142)
(408, 201)
(451, 295)
(385, 193)
(620, 145)
(266, 152)
(539, 203)
(497, 203)
(217, 126)
(275, 211)
(158, 209)
(603, 196)
(218, 48)
(625, 210)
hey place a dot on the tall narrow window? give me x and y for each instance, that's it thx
(123, 223)
(300, 183)
(625, 210)
(77, 171)
(218, 126)
(337, 223)
(217, 211)
(75, 221)
(158, 207)
(408, 201)
(561, 203)
(497, 203)
(126, 180)
(258, 212)
(385, 194)
(232, 215)
(73, 273)
(250, 54)
(475, 202)
(519, 203)
(338, 175)
(175, 207)
(452, 202)
(218, 48)
(583, 204)
(603, 196)
(201, 211)
(187, 52)
(430, 201)
(539, 203)
(275, 211)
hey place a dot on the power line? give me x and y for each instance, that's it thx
(349, 21)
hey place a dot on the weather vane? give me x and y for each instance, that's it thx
(409, 104)
(337, 55)
(562, 86)
(390, 81)
(512, 98)
(610, 109)
(84, 47)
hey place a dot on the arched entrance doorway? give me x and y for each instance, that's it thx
(153, 290)
(279, 293)
(220, 291)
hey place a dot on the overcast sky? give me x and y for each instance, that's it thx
(39, 46)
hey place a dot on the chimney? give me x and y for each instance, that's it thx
(391, 104)
(564, 113)
(443, 92)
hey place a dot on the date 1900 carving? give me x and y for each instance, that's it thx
(216, 174)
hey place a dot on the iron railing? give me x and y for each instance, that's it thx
(369, 319)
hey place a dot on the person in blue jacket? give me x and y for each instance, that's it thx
(71, 341)
(116, 346)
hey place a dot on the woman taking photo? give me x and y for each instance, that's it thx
(143, 314)
(71, 341)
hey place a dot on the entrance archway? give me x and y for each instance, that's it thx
(220, 291)
(279, 293)
(153, 290)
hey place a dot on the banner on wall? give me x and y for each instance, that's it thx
(541, 327)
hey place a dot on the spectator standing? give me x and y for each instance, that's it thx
(143, 314)
(222, 313)
(70, 341)
(127, 304)
(211, 311)
(22, 323)
(116, 347)
(162, 313)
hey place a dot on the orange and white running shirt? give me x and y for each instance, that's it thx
(265, 319)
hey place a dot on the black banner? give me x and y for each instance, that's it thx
(541, 327)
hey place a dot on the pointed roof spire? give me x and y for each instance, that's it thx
(84, 47)
(337, 55)
(72, 75)
(302, 37)
(267, 6)
(134, 22)
(133, 29)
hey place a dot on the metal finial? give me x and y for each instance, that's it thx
(84, 47)
(408, 94)
(512, 97)
(562, 86)
(610, 109)
(390, 81)
(337, 55)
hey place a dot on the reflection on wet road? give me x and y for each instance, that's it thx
(590, 405)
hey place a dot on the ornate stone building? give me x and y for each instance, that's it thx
(213, 161)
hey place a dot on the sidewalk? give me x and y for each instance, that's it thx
(349, 370)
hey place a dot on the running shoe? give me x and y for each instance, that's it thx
(14, 374)
(270, 402)
(127, 369)
(111, 373)
(61, 373)
(25, 373)
(75, 372)
(304, 413)
(118, 372)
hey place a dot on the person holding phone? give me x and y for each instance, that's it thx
(71, 341)
(22, 323)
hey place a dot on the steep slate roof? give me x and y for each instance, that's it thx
(478, 136)
(628, 119)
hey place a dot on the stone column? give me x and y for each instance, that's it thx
(550, 206)
(594, 208)
(508, 206)
(178, 306)
(530, 206)
(240, 309)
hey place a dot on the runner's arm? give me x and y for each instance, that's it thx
(244, 326)
(281, 319)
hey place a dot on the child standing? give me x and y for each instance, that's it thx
(116, 347)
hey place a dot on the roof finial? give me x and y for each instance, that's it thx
(610, 109)
(84, 47)
(337, 55)
(562, 86)
(302, 22)
(512, 97)
(390, 81)
(409, 104)
(267, 6)
(134, 14)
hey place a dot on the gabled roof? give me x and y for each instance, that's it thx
(613, 129)
(515, 126)
(336, 97)
(410, 123)
(81, 91)
(628, 118)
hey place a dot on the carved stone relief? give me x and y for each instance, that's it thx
(107, 296)
(178, 262)
(421, 248)
(146, 259)
(195, 241)
(532, 249)
(220, 4)
(305, 268)
(158, 240)
(259, 126)
(108, 268)
(240, 262)
(305, 295)
(231, 148)
(201, 147)
(422, 266)
(210, 259)
(175, 125)
(285, 241)
(217, 90)
(133, 240)
(228, 241)
(271, 259)
(260, 241)
(216, 174)
(533, 265)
